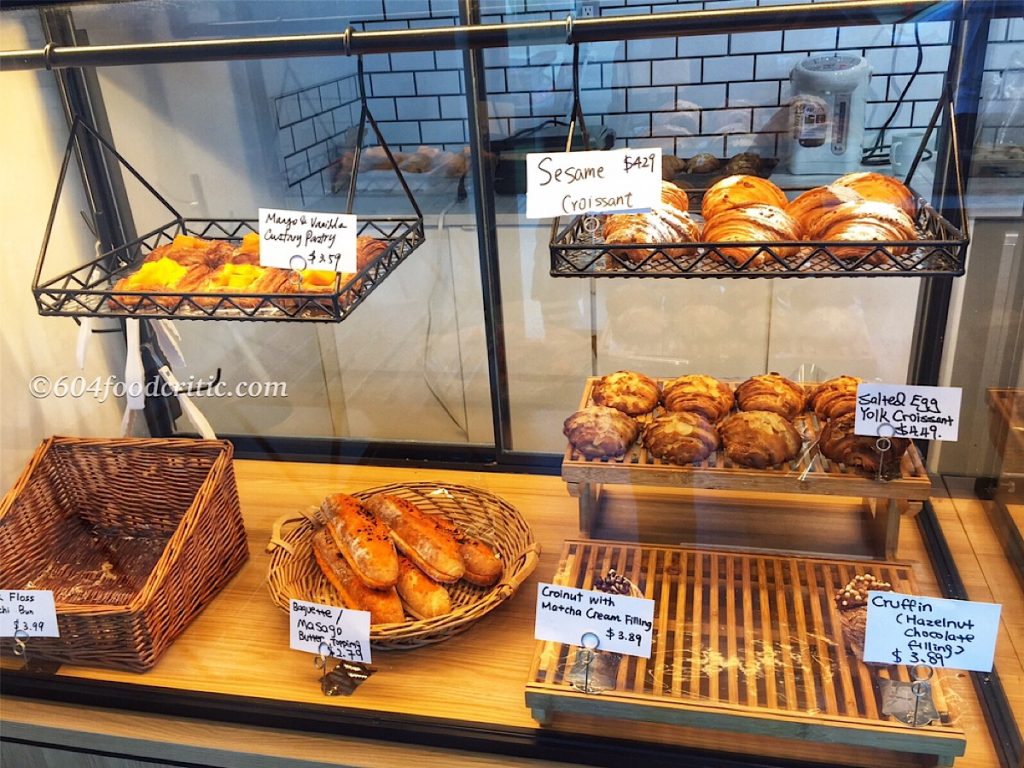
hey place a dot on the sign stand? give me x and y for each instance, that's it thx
(910, 702)
(344, 678)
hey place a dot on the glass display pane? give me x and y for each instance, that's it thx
(222, 139)
(746, 509)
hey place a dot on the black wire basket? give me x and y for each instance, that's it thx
(578, 249)
(90, 290)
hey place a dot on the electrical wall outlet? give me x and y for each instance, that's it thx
(587, 9)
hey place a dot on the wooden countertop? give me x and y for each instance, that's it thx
(470, 686)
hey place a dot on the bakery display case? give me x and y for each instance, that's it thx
(481, 433)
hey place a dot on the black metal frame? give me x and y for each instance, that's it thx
(939, 248)
(109, 211)
(487, 236)
(1002, 725)
(970, 39)
(479, 36)
(89, 290)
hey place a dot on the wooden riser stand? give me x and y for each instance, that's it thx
(742, 642)
(884, 501)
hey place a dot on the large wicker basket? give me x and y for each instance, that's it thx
(294, 574)
(134, 536)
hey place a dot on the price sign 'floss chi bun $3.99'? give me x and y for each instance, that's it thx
(613, 623)
(610, 181)
(301, 240)
(28, 613)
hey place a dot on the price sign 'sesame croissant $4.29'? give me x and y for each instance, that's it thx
(609, 181)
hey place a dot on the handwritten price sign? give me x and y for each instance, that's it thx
(303, 240)
(906, 629)
(897, 410)
(28, 613)
(615, 180)
(337, 632)
(621, 624)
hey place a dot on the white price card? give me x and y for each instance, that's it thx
(902, 410)
(609, 181)
(615, 623)
(304, 240)
(28, 613)
(907, 629)
(338, 632)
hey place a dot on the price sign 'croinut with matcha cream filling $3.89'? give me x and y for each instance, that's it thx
(614, 623)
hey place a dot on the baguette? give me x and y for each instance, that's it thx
(362, 539)
(423, 539)
(483, 567)
(383, 605)
(423, 597)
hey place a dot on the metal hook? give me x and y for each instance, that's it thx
(576, 114)
(346, 40)
(576, 75)
(201, 387)
(191, 388)
(20, 636)
(362, 80)
(89, 224)
(48, 55)
(568, 29)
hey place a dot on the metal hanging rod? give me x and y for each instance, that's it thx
(808, 15)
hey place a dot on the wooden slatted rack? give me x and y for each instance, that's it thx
(742, 642)
(810, 472)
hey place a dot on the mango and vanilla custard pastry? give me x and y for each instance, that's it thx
(162, 275)
(194, 265)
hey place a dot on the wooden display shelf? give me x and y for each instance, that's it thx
(233, 664)
(1006, 421)
(742, 642)
(811, 472)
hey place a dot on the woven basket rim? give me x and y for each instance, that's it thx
(409, 634)
(201, 551)
(219, 465)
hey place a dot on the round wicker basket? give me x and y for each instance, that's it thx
(294, 574)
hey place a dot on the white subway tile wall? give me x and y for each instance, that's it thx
(719, 93)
